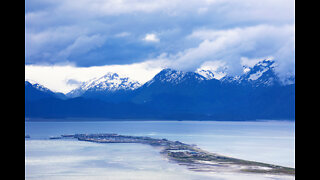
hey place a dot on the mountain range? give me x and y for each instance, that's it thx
(171, 94)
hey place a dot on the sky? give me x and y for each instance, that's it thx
(71, 41)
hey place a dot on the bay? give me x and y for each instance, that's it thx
(263, 141)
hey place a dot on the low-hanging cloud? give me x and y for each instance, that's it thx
(232, 45)
(225, 50)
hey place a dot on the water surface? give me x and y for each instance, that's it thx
(267, 141)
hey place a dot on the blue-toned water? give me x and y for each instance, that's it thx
(265, 141)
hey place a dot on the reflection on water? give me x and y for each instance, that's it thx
(71, 159)
(59, 159)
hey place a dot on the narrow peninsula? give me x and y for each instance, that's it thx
(191, 156)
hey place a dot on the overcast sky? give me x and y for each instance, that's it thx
(70, 41)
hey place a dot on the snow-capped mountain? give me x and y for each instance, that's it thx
(37, 86)
(110, 82)
(175, 77)
(261, 74)
(206, 73)
(256, 94)
(35, 91)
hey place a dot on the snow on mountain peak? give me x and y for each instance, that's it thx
(109, 82)
(37, 86)
(261, 74)
(257, 75)
(175, 76)
(206, 73)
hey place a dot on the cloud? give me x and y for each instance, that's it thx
(123, 34)
(96, 36)
(233, 45)
(151, 38)
(223, 51)
(54, 27)
(218, 68)
(73, 82)
(82, 45)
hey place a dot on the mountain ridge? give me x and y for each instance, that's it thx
(173, 94)
(110, 82)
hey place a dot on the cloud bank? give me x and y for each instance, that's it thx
(232, 45)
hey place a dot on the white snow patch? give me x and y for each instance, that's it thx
(257, 75)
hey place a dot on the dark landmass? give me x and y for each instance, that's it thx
(191, 156)
(174, 95)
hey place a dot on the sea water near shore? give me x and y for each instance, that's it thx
(263, 141)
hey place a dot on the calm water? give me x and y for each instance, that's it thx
(267, 141)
